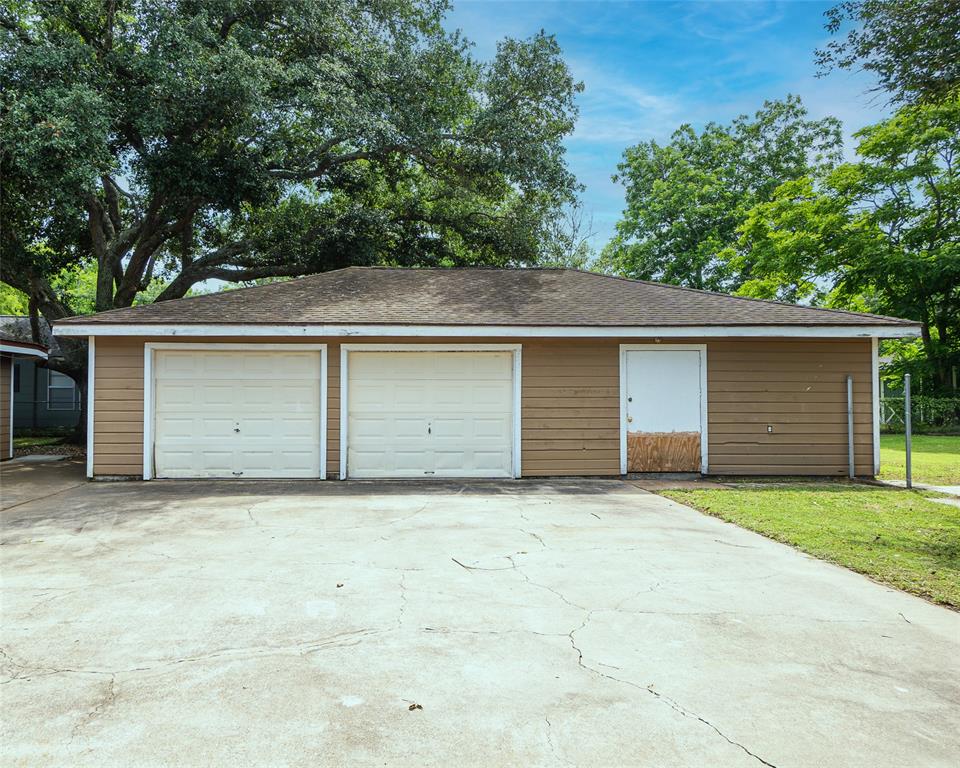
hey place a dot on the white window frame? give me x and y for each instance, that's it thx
(149, 394)
(704, 437)
(515, 349)
(73, 388)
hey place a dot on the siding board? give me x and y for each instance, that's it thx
(570, 404)
(6, 417)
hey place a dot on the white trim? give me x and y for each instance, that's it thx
(10, 415)
(875, 395)
(148, 411)
(437, 347)
(494, 331)
(324, 406)
(16, 349)
(344, 357)
(517, 415)
(91, 379)
(516, 349)
(704, 436)
(149, 397)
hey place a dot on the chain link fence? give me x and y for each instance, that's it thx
(928, 413)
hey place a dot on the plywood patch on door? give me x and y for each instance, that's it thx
(663, 451)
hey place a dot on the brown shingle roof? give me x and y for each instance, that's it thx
(513, 297)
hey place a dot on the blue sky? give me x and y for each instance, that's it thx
(648, 67)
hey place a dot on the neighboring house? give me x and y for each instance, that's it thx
(12, 352)
(378, 372)
(42, 398)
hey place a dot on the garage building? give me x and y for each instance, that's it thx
(412, 373)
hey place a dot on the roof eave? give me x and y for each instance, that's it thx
(839, 330)
(23, 349)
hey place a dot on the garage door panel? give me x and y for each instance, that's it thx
(450, 460)
(449, 428)
(488, 460)
(497, 428)
(367, 427)
(175, 396)
(410, 459)
(219, 462)
(402, 429)
(406, 395)
(177, 428)
(415, 414)
(237, 413)
(171, 365)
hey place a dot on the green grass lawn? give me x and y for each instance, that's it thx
(936, 458)
(895, 536)
(37, 442)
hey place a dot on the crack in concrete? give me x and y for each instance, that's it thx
(360, 527)
(494, 632)
(512, 567)
(403, 600)
(530, 581)
(659, 696)
(648, 689)
(554, 750)
(534, 535)
(41, 498)
(105, 701)
(347, 639)
(731, 544)
(709, 614)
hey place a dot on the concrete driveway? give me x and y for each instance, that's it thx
(560, 623)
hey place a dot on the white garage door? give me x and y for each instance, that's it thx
(430, 414)
(237, 413)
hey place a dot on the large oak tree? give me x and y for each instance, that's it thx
(245, 139)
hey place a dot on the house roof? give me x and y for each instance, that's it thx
(17, 328)
(11, 345)
(476, 297)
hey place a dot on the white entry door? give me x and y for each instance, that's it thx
(665, 392)
(237, 413)
(430, 414)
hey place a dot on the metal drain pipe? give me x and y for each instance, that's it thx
(850, 458)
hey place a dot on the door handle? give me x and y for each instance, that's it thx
(629, 419)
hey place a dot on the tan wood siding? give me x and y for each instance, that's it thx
(799, 388)
(570, 404)
(118, 407)
(6, 417)
(570, 407)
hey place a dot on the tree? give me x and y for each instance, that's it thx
(685, 199)
(245, 139)
(912, 46)
(884, 231)
(12, 301)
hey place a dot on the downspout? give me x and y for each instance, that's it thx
(851, 469)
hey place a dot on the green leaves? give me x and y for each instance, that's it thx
(258, 138)
(686, 200)
(886, 227)
(912, 46)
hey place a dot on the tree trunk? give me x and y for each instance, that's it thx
(73, 360)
